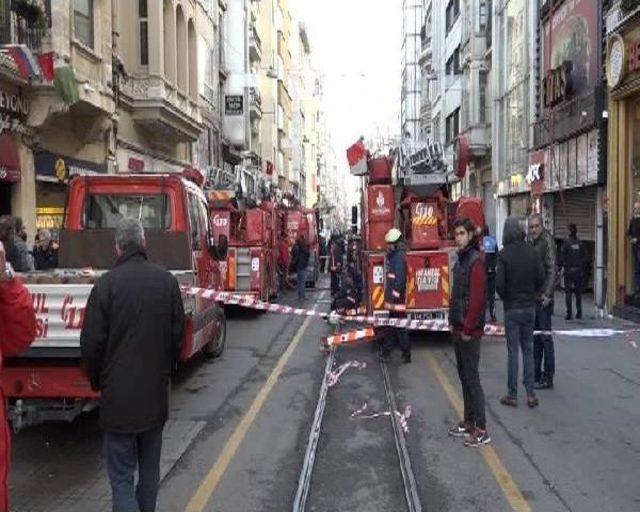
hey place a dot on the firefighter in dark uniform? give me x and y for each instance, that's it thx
(350, 294)
(572, 265)
(394, 295)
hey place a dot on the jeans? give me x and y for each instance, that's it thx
(635, 250)
(573, 285)
(518, 324)
(301, 282)
(468, 361)
(491, 293)
(543, 345)
(124, 452)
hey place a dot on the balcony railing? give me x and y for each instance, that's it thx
(28, 24)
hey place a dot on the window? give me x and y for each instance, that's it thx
(103, 211)
(483, 15)
(453, 12)
(483, 104)
(197, 221)
(144, 33)
(453, 64)
(453, 126)
(83, 21)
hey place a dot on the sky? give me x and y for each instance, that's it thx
(356, 44)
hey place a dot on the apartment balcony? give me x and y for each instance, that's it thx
(165, 112)
(479, 138)
(255, 45)
(255, 104)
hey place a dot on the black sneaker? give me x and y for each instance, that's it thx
(459, 430)
(406, 358)
(544, 384)
(579, 316)
(567, 317)
(477, 438)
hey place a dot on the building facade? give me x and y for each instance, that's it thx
(622, 32)
(52, 129)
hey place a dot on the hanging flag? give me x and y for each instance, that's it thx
(46, 65)
(27, 64)
(357, 156)
(65, 82)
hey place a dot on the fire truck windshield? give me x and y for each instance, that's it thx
(103, 211)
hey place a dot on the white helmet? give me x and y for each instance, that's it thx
(393, 236)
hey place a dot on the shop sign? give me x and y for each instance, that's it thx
(136, 165)
(557, 85)
(616, 60)
(13, 104)
(62, 167)
(233, 105)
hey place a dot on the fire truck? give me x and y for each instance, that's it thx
(48, 383)
(414, 198)
(249, 265)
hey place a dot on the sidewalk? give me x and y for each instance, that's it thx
(589, 315)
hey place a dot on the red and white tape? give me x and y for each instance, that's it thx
(248, 301)
(402, 417)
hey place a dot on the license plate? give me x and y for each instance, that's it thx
(426, 315)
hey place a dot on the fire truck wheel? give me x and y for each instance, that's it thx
(215, 346)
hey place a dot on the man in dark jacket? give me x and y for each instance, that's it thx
(633, 233)
(350, 294)
(394, 296)
(467, 319)
(518, 280)
(572, 266)
(130, 340)
(300, 259)
(543, 349)
(16, 249)
(490, 248)
(45, 252)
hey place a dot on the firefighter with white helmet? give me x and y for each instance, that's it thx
(394, 295)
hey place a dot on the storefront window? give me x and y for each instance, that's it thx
(634, 145)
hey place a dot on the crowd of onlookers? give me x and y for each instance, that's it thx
(42, 256)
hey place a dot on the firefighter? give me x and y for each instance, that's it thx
(394, 295)
(336, 255)
(350, 294)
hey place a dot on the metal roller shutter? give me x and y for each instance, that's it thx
(577, 206)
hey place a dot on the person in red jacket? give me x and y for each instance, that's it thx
(17, 332)
(467, 319)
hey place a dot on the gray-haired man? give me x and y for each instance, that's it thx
(131, 336)
(543, 348)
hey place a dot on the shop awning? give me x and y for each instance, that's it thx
(9, 159)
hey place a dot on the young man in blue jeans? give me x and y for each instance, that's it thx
(519, 278)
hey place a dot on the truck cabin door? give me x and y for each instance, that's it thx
(200, 237)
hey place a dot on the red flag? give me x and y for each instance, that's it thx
(46, 65)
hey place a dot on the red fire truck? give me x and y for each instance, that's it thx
(415, 199)
(304, 222)
(48, 382)
(250, 265)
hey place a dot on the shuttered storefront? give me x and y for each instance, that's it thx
(576, 206)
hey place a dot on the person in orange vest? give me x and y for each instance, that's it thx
(17, 332)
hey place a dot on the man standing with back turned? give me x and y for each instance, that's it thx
(130, 339)
(545, 246)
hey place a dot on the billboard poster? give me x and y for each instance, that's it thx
(571, 35)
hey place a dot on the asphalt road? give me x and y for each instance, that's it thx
(240, 424)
